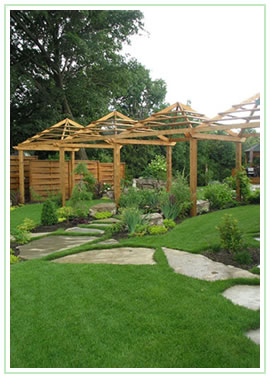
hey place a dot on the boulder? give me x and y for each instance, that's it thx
(154, 219)
(147, 183)
(203, 206)
(101, 207)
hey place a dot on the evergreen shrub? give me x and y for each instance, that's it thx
(157, 230)
(230, 235)
(48, 214)
(220, 196)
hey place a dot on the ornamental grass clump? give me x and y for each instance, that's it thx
(230, 235)
(169, 206)
(132, 217)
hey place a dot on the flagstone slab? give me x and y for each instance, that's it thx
(107, 220)
(101, 224)
(83, 229)
(244, 295)
(35, 234)
(109, 241)
(201, 267)
(121, 256)
(254, 335)
(50, 244)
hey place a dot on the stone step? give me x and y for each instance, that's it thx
(84, 229)
(244, 295)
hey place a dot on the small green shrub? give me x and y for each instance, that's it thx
(181, 193)
(157, 230)
(48, 214)
(157, 168)
(243, 258)
(244, 182)
(21, 237)
(140, 230)
(117, 227)
(102, 215)
(27, 225)
(254, 197)
(132, 217)
(86, 177)
(56, 198)
(64, 213)
(132, 196)
(13, 259)
(255, 270)
(230, 234)
(169, 223)
(169, 206)
(220, 196)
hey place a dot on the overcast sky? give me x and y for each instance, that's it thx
(212, 56)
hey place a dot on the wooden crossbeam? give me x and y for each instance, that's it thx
(145, 142)
(225, 138)
(42, 147)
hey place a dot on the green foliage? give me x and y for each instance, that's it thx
(255, 270)
(243, 257)
(169, 223)
(48, 215)
(157, 230)
(169, 206)
(27, 225)
(21, 237)
(180, 193)
(146, 200)
(55, 197)
(132, 217)
(254, 197)
(220, 196)
(13, 259)
(103, 215)
(87, 180)
(140, 230)
(157, 168)
(15, 197)
(64, 212)
(230, 235)
(117, 227)
(244, 182)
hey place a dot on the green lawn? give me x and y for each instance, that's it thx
(127, 316)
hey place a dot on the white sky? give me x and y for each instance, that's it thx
(210, 55)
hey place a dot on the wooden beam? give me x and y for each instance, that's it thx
(251, 125)
(169, 167)
(21, 176)
(238, 167)
(43, 147)
(84, 145)
(225, 138)
(193, 176)
(62, 175)
(147, 142)
(116, 173)
(72, 167)
(179, 139)
(246, 135)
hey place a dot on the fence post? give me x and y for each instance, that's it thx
(62, 174)
(193, 176)
(21, 175)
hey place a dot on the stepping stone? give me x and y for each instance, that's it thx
(35, 234)
(109, 241)
(199, 266)
(121, 256)
(107, 220)
(254, 335)
(101, 224)
(244, 295)
(45, 246)
(82, 229)
(102, 207)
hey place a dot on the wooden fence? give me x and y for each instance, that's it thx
(43, 176)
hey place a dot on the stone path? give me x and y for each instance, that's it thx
(254, 335)
(45, 246)
(122, 256)
(201, 267)
(107, 220)
(244, 295)
(84, 229)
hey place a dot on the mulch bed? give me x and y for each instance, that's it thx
(228, 259)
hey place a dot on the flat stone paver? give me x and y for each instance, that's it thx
(121, 256)
(43, 247)
(107, 220)
(101, 224)
(244, 295)
(109, 241)
(199, 266)
(254, 335)
(83, 229)
(35, 234)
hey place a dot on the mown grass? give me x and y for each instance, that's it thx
(113, 316)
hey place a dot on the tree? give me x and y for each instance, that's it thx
(65, 64)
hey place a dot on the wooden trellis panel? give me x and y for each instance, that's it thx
(106, 172)
(14, 172)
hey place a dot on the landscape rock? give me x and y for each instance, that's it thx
(107, 220)
(83, 230)
(244, 295)
(254, 335)
(203, 206)
(199, 266)
(101, 207)
(148, 183)
(121, 256)
(154, 219)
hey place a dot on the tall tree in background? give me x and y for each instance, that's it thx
(65, 64)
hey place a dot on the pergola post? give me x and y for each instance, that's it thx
(62, 174)
(193, 176)
(169, 167)
(238, 166)
(21, 176)
(116, 172)
(72, 167)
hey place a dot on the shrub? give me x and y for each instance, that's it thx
(243, 258)
(64, 213)
(27, 225)
(220, 196)
(244, 182)
(149, 200)
(254, 197)
(230, 234)
(181, 193)
(132, 196)
(13, 259)
(157, 168)
(103, 215)
(169, 223)
(21, 237)
(86, 177)
(79, 195)
(157, 230)
(56, 198)
(132, 217)
(48, 214)
(117, 227)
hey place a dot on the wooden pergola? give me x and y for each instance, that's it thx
(176, 123)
